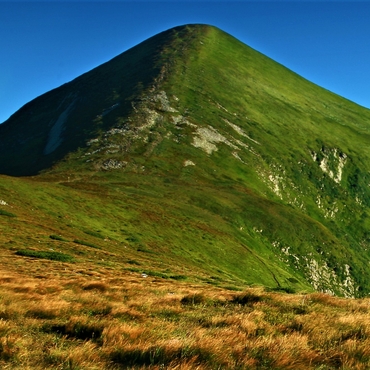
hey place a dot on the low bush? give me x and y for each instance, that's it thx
(58, 237)
(6, 213)
(178, 277)
(94, 233)
(86, 244)
(49, 255)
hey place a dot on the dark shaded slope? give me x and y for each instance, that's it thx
(46, 129)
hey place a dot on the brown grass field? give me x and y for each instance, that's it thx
(57, 315)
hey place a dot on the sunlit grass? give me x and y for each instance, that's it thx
(124, 320)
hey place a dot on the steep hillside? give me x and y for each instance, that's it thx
(194, 156)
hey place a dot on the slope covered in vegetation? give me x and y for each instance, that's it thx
(192, 156)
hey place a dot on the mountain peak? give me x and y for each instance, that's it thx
(276, 165)
(48, 128)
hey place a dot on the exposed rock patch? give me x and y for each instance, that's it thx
(163, 102)
(189, 163)
(240, 131)
(331, 163)
(324, 279)
(208, 137)
(236, 155)
(113, 164)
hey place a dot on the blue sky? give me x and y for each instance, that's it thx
(47, 43)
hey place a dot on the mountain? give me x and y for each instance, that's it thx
(193, 156)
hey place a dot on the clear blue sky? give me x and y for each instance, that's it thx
(47, 43)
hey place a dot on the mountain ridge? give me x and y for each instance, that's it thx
(232, 164)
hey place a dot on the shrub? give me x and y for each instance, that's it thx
(57, 237)
(49, 255)
(87, 244)
(178, 277)
(156, 274)
(133, 239)
(133, 262)
(6, 213)
(144, 249)
(94, 233)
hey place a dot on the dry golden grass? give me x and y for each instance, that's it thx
(54, 316)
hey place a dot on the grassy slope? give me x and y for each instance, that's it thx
(123, 228)
(222, 220)
(290, 118)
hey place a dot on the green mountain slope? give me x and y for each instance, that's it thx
(194, 156)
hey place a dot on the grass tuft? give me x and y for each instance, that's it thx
(194, 299)
(76, 330)
(246, 299)
(98, 285)
(159, 356)
(42, 314)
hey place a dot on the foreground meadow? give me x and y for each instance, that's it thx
(57, 315)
